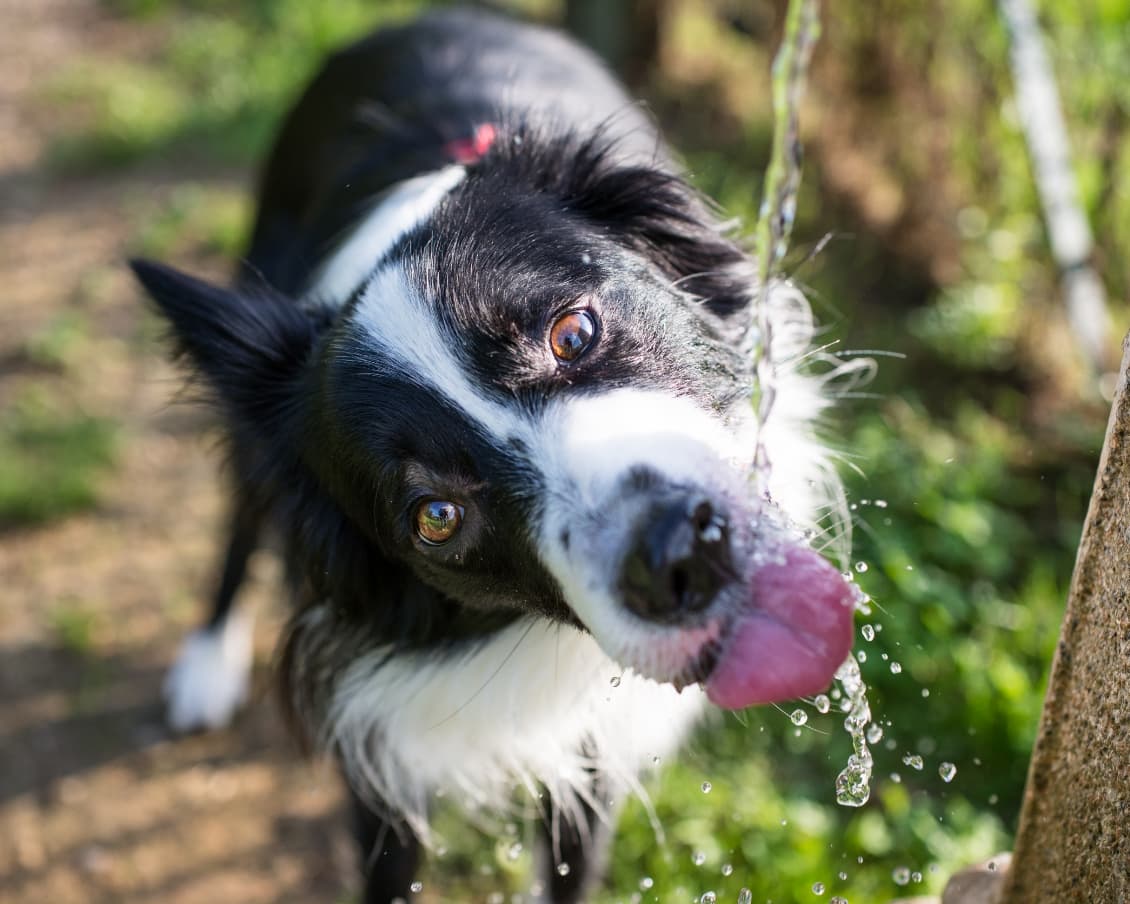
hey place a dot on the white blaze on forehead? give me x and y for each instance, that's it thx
(404, 327)
(392, 215)
(599, 439)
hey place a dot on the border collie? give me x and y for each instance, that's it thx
(486, 368)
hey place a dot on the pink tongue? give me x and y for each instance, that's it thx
(793, 638)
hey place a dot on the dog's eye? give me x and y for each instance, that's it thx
(438, 520)
(571, 334)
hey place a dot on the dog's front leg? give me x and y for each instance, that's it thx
(574, 850)
(390, 855)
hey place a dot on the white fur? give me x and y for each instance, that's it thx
(515, 711)
(393, 214)
(211, 677)
(401, 324)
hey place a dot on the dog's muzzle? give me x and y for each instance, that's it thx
(679, 556)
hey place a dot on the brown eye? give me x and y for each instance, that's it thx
(571, 334)
(438, 520)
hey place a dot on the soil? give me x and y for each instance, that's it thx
(97, 801)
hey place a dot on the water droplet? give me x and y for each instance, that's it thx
(706, 787)
(727, 869)
(646, 883)
(868, 632)
(745, 896)
(913, 761)
(901, 875)
(896, 778)
(896, 668)
(708, 897)
(861, 656)
(416, 887)
(563, 869)
(837, 900)
(880, 503)
(916, 876)
(842, 876)
(947, 771)
(797, 717)
(861, 567)
(925, 692)
(514, 851)
(822, 703)
(874, 733)
(698, 858)
(853, 784)
(615, 682)
(818, 888)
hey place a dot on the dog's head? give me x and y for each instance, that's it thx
(536, 400)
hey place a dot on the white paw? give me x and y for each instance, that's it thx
(211, 677)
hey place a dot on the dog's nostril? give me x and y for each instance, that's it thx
(679, 560)
(680, 584)
(709, 526)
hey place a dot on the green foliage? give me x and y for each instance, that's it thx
(216, 87)
(196, 219)
(50, 461)
(73, 626)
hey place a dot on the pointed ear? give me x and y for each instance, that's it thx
(249, 345)
(660, 214)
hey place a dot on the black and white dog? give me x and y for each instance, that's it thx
(487, 368)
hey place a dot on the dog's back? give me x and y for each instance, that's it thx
(400, 103)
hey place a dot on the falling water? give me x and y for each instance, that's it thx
(774, 227)
(782, 181)
(853, 784)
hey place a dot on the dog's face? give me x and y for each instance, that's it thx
(523, 408)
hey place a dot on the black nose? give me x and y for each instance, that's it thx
(678, 561)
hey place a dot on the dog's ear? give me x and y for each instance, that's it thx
(249, 345)
(661, 215)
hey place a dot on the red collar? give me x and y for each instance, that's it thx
(473, 149)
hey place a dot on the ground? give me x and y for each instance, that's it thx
(97, 801)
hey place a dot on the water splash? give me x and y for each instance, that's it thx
(782, 182)
(853, 784)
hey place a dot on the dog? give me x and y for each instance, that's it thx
(486, 368)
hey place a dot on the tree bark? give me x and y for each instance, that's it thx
(1073, 843)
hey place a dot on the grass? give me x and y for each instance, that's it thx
(213, 91)
(51, 461)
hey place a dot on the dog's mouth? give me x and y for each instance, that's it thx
(795, 634)
(786, 639)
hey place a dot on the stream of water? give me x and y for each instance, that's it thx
(774, 228)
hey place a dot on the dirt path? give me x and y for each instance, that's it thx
(97, 802)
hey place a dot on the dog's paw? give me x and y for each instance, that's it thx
(211, 677)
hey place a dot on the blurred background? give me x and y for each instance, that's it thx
(134, 127)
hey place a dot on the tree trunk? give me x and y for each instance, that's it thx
(1073, 843)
